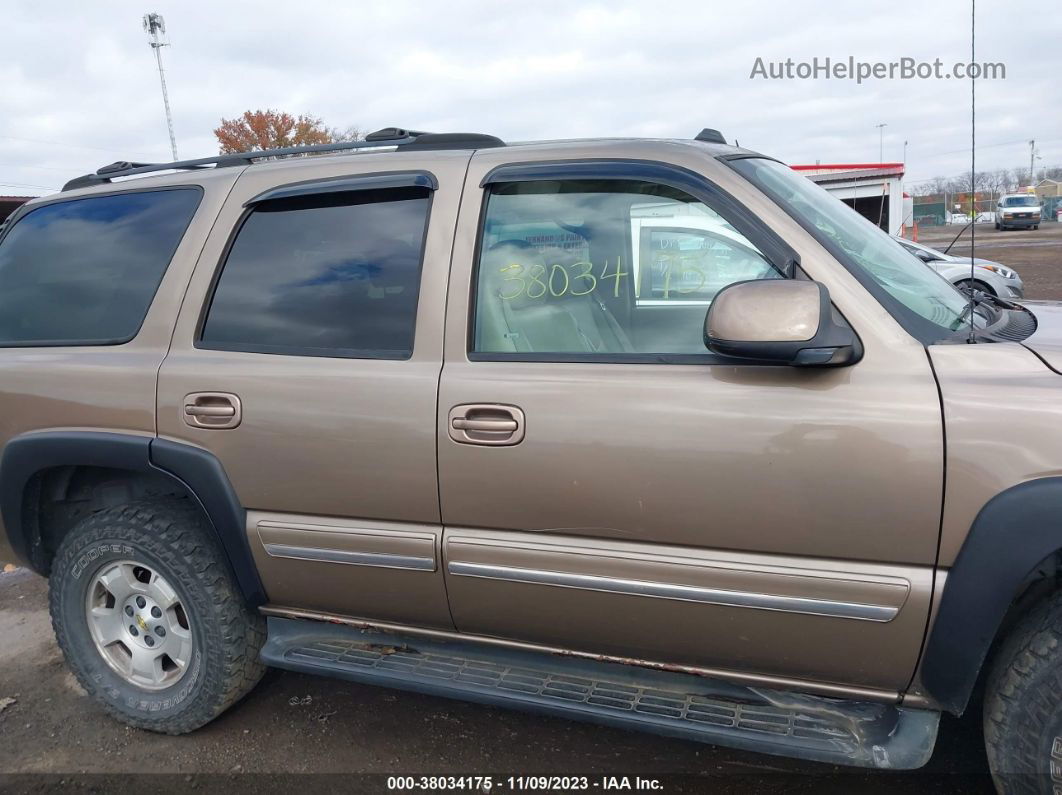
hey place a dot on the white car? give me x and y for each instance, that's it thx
(989, 277)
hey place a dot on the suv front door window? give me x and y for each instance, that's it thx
(581, 267)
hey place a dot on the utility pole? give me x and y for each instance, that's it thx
(1032, 162)
(881, 142)
(154, 24)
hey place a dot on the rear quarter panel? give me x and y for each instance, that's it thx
(106, 387)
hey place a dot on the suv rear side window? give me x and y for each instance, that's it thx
(323, 275)
(84, 271)
(600, 269)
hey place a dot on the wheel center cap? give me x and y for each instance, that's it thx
(141, 623)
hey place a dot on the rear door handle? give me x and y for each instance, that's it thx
(219, 410)
(490, 424)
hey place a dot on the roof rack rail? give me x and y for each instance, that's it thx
(389, 136)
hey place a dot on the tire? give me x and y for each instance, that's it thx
(1023, 704)
(966, 284)
(214, 639)
(997, 226)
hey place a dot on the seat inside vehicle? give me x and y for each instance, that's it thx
(531, 322)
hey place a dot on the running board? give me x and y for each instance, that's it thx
(863, 734)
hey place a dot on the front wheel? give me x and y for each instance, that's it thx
(971, 284)
(1023, 705)
(149, 619)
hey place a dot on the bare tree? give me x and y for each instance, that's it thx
(347, 134)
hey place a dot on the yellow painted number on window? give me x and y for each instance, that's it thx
(516, 277)
(567, 281)
(686, 271)
(537, 288)
(617, 275)
(587, 276)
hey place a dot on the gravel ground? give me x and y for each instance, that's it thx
(353, 737)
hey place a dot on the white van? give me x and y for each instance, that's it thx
(1018, 210)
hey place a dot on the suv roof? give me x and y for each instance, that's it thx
(398, 138)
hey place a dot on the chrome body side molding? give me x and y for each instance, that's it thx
(685, 593)
(378, 559)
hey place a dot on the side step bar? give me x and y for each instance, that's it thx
(862, 734)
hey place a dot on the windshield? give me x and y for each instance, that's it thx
(876, 255)
(1021, 201)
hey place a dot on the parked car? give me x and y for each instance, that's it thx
(1018, 210)
(988, 277)
(410, 418)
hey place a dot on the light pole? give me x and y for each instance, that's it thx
(154, 24)
(1032, 163)
(881, 141)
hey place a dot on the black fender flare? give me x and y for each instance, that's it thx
(195, 470)
(1012, 535)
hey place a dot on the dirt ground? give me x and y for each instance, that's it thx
(354, 736)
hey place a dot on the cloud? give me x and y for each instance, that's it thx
(80, 88)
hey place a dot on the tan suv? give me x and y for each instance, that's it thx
(651, 433)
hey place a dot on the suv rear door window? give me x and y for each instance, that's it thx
(323, 275)
(84, 271)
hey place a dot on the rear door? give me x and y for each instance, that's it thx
(611, 487)
(306, 358)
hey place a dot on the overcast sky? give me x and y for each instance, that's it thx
(79, 88)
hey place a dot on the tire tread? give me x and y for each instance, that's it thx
(1023, 698)
(174, 530)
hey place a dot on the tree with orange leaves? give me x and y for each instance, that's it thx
(272, 129)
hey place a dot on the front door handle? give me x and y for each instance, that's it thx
(210, 411)
(219, 410)
(497, 426)
(491, 424)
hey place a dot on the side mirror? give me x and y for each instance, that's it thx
(925, 256)
(779, 321)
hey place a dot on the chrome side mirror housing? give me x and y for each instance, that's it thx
(779, 321)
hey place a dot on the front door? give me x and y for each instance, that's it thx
(609, 486)
(306, 358)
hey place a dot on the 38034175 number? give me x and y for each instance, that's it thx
(556, 280)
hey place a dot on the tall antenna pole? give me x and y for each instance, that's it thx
(973, 160)
(881, 141)
(154, 24)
